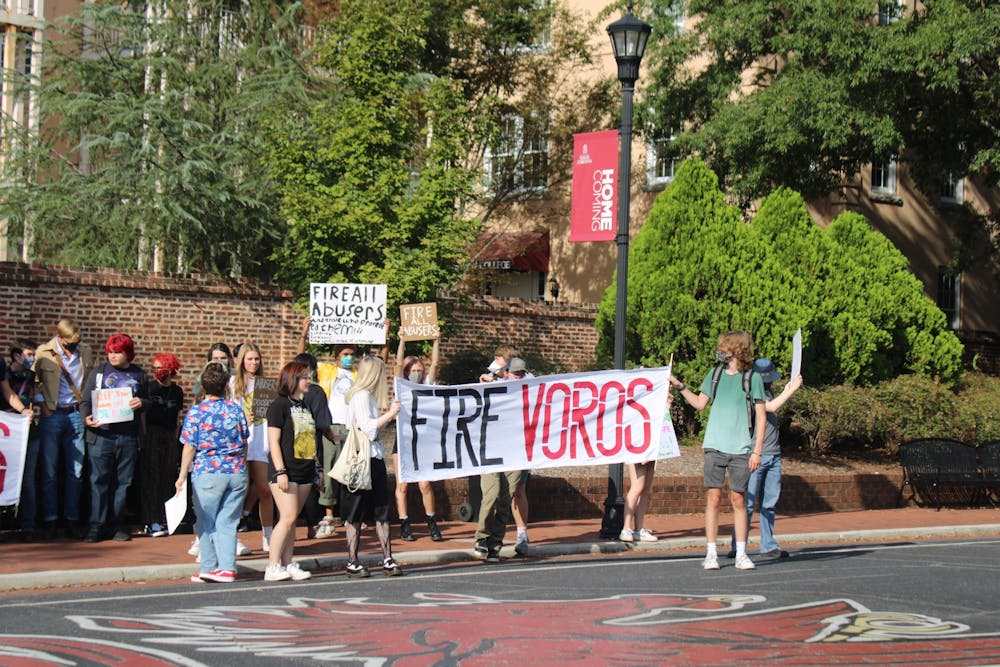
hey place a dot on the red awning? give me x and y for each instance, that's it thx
(512, 251)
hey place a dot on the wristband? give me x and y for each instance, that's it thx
(682, 387)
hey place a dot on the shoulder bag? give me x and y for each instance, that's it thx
(353, 468)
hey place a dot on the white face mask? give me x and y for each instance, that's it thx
(494, 368)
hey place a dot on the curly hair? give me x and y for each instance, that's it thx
(739, 344)
(168, 361)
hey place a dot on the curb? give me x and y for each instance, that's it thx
(109, 575)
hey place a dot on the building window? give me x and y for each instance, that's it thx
(662, 159)
(519, 159)
(884, 176)
(674, 12)
(949, 296)
(889, 11)
(952, 188)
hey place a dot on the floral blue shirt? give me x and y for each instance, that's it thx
(218, 431)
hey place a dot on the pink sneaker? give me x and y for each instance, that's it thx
(220, 576)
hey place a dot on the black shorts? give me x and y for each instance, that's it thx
(367, 506)
(716, 465)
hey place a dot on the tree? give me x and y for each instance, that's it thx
(697, 270)
(151, 142)
(383, 177)
(800, 93)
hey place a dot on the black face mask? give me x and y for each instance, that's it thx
(71, 347)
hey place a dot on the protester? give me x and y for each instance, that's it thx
(730, 445)
(249, 367)
(765, 481)
(218, 352)
(367, 398)
(60, 367)
(159, 455)
(214, 438)
(292, 463)
(518, 370)
(412, 369)
(114, 446)
(315, 399)
(17, 385)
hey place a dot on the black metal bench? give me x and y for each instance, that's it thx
(932, 464)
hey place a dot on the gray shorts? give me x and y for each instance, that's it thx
(716, 464)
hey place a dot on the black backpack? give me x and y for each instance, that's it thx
(717, 373)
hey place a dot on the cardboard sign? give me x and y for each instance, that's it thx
(347, 313)
(111, 405)
(418, 321)
(265, 390)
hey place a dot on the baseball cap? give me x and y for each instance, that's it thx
(517, 365)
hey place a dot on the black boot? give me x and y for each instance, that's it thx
(432, 528)
(405, 532)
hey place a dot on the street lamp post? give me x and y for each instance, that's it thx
(628, 39)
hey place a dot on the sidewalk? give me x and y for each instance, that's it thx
(72, 563)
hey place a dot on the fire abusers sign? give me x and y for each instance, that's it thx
(595, 186)
(559, 420)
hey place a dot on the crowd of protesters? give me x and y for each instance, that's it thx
(238, 459)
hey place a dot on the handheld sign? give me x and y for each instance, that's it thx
(111, 405)
(796, 353)
(265, 390)
(347, 313)
(418, 321)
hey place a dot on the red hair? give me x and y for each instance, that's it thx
(168, 361)
(122, 343)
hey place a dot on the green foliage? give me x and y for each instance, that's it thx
(830, 89)
(151, 137)
(880, 417)
(697, 270)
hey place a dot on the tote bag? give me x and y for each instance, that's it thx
(353, 468)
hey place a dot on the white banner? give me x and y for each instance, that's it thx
(13, 447)
(559, 420)
(347, 313)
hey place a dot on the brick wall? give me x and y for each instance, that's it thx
(179, 314)
(552, 498)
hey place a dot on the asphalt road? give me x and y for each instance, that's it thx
(908, 603)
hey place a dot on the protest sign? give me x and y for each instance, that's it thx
(265, 390)
(110, 406)
(13, 447)
(347, 313)
(418, 321)
(559, 420)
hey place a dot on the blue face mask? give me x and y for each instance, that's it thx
(27, 362)
(347, 361)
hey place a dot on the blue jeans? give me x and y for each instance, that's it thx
(28, 506)
(765, 483)
(218, 505)
(61, 435)
(112, 466)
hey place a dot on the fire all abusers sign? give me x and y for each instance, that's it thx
(347, 313)
(593, 418)
(595, 186)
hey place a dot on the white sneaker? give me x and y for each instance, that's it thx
(296, 572)
(646, 536)
(276, 573)
(711, 562)
(195, 548)
(626, 535)
(242, 549)
(743, 562)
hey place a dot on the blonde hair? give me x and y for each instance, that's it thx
(68, 330)
(739, 344)
(241, 381)
(371, 378)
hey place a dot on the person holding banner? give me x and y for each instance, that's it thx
(18, 396)
(250, 366)
(733, 443)
(113, 439)
(368, 409)
(291, 467)
(214, 438)
(412, 369)
(60, 367)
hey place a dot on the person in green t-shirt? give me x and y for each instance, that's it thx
(731, 447)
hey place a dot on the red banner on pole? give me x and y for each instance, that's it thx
(595, 186)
